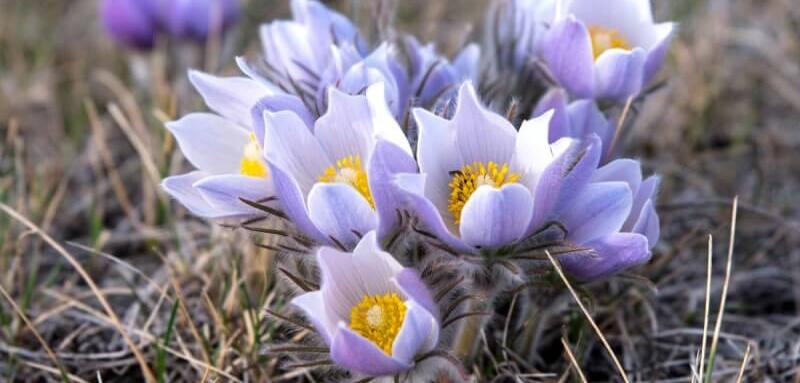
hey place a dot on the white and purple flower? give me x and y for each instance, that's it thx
(331, 178)
(605, 52)
(375, 315)
(223, 149)
(482, 184)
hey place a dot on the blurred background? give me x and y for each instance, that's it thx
(83, 148)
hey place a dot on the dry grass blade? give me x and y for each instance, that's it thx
(599, 333)
(573, 361)
(146, 371)
(707, 308)
(47, 349)
(718, 326)
(744, 364)
(38, 366)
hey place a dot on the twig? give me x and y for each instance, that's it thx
(708, 306)
(572, 360)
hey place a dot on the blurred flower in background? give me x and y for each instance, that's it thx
(137, 23)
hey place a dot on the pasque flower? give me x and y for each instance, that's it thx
(223, 148)
(321, 48)
(375, 315)
(136, 23)
(331, 178)
(484, 185)
(605, 52)
(615, 219)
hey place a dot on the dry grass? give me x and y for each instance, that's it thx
(113, 282)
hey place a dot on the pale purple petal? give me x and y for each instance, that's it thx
(556, 100)
(619, 73)
(567, 51)
(623, 169)
(564, 179)
(435, 135)
(414, 288)
(210, 142)
(276, 103)
(340, 211)
(293, 203)
(656, 55)
(481, 135)
(493, 217)
(230, 97)
(609, 255)
(386, 161)
(648, 224)
(585, 119)
(599, 210)
(291, 146)
(645, 192)
(129, 22)
(418, 334)
(180, 187)
(313, 305)
(358, 354)
(428, 214)
(224, 191)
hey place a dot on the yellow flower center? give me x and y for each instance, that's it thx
(464, 182)
(252, 165)
(379, 318)
(349, 171)
(604, 38)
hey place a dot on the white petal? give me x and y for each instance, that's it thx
(231, 97)
(289, 144)
(481, 135)
(210, 142)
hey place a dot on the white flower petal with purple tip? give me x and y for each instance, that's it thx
(373, 325)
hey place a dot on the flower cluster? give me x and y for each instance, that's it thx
(136, 23)
(366, 151)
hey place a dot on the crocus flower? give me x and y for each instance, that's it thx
(330, 177)
(196, 19)
(483, 185)
(514, 29)
(375, 315)
(224, 150)
(133, 23)
(605, 52)
(616, 235)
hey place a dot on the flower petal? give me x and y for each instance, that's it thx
(414, 187)
(224, 191)
(210, 142)
(663, 35)
(231, 97)
(339, 211)
(600, 210)
(481, 135)
(645, 192)
(358, 354)
(585, 119)
(313, 305)
(556, 100)
(277, 103)
(619, 73)
(623, 169)
(648, 224)
(418, 334)
(414, 288)
(609, 255)
(496, 217)
(348, 277)
(386, 161)
(293, 203)
(564, 178)
(180, 187)
(291, 146)
(567, 51)
(436, 133)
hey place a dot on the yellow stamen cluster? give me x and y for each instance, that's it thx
(349, 170)
(252, 164)
(604, 38)
(464, 182)
(379, 318)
